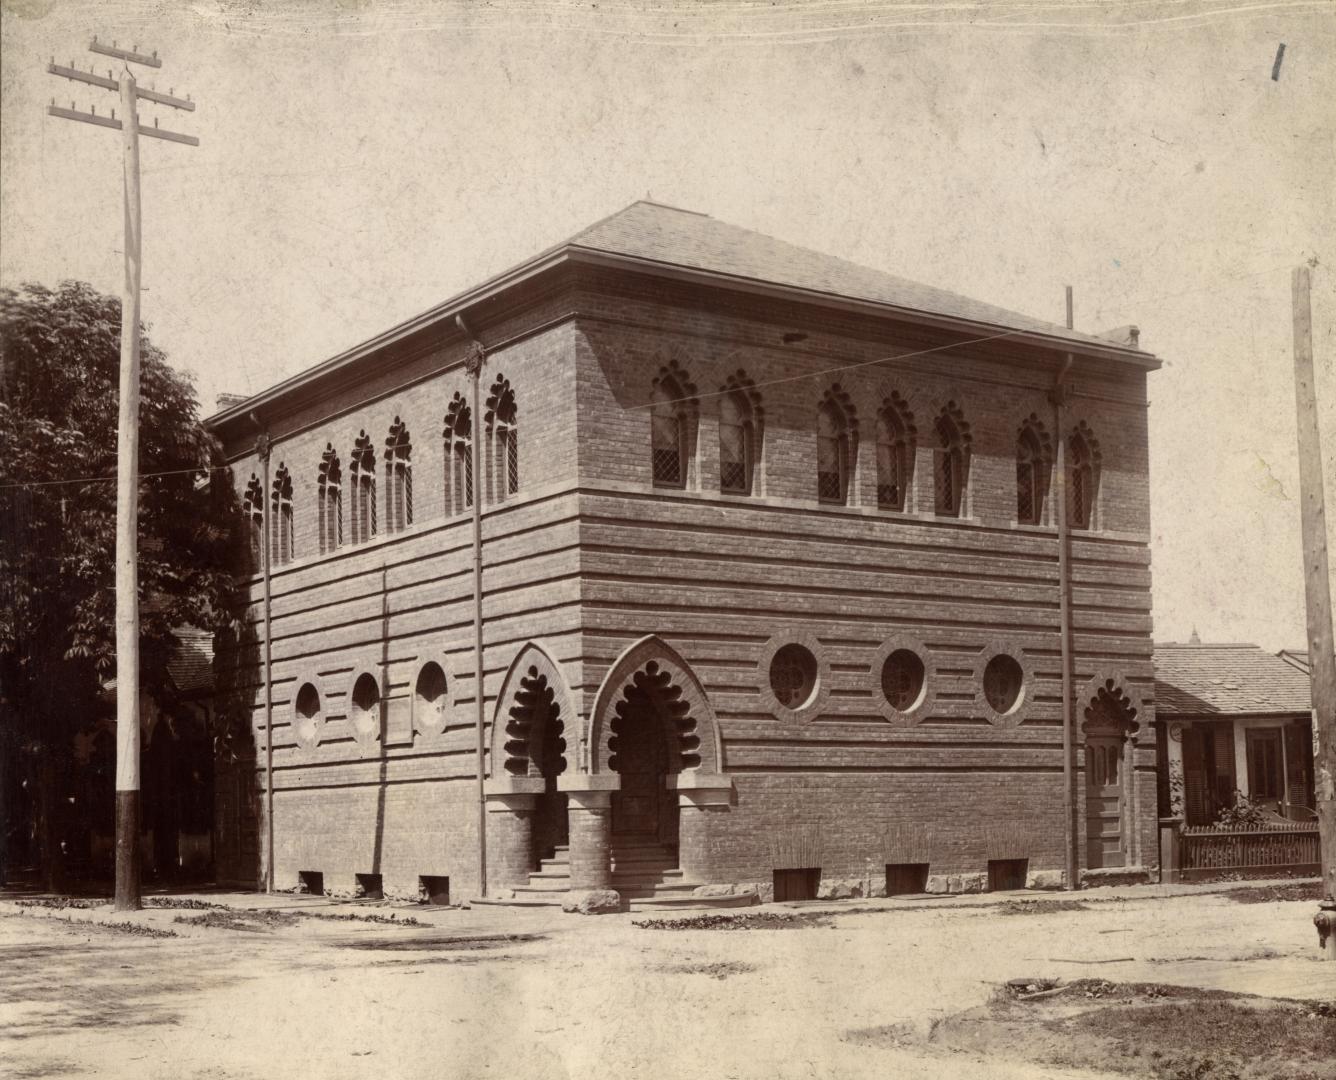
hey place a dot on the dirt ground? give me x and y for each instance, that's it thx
(286, 993)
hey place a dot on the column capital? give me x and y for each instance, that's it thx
(701, 789)
(589, 791)
(511, 793)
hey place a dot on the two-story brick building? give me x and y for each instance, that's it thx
(770, 584)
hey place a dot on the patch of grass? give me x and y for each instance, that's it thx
(227, 919)
(761, 920)
(352, 916)
(1294, 890)
(719, 969)
(188, 902)
(456, 943)
(62, 903)
(134, 929)
(1144, 1029)
(1039, 907)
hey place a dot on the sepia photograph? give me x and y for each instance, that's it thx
(746, 539)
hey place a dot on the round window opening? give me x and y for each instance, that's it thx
(793, 676)
(308, 712)
(1002, 680)
(902, 679)
(366, 707)
(430, 694)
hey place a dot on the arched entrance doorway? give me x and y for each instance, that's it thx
(1110, 722)
(651, 737)
(535, 747)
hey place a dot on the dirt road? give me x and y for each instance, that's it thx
(475, 994)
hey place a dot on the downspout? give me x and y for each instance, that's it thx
(262, 445)
(473, 362)
(1065, 615)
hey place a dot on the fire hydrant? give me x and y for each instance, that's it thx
(1325, 921)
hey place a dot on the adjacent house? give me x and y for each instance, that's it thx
(1232, 718)
(680, 556)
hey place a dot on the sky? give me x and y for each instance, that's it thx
(359, 162)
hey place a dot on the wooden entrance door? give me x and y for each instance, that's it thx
(1266, 775)
(642, 766)
(1104, 801)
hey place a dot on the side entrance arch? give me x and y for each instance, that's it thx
(1110, 727)
(527, 816)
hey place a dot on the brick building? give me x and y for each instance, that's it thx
(770, 584)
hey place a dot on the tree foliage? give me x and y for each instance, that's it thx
(58, 424)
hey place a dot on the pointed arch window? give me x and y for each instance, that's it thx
(362, 481)
(252, 505)
(329, 501)
(398, 478)
(835, 442)
(1033, 470)
(458, 456)
(503, 448)
(737, 443)
(668, 434)
(951, 462)
(895, 454)
(280, 534)
(1083, 462)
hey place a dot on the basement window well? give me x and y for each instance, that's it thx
(369, 887)
(434, 890)
(906, 879)
(797, 884)
(1007, 874)
(311, 882)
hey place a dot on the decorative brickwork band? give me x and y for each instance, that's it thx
(589, 812)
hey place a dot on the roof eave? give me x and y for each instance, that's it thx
(459, 304)
(596, 256)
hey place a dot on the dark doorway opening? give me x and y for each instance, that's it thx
(311, 882)
(905, 879)
(799, 884)
(369, 887)
(643, 731)
(434, 890)
(1007, 874)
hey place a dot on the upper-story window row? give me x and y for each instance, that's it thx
(673, 412)
(364, 486)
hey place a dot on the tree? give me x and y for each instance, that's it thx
(59, 363)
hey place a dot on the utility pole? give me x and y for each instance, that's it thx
(127, 446)
(1317, 593)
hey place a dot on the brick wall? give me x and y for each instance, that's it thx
(590, 557)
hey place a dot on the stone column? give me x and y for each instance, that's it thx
(699, 795)
(589, 813)
(510, 807)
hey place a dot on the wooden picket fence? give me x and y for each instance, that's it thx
(1213, 849)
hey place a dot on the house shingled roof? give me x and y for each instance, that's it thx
(1227, 680)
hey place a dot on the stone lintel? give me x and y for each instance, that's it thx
(514, 785)
(589, 791)
(693, 781)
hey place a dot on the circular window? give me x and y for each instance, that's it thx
(429, 699)
(793, 676)
(902, 679)
(365, 711)
(306, 711)
(1002, 680)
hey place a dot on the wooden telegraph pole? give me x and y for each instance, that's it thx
(1317, 592)
(127, 447)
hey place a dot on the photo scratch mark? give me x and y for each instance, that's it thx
(1275, 68)
(1269, 483)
